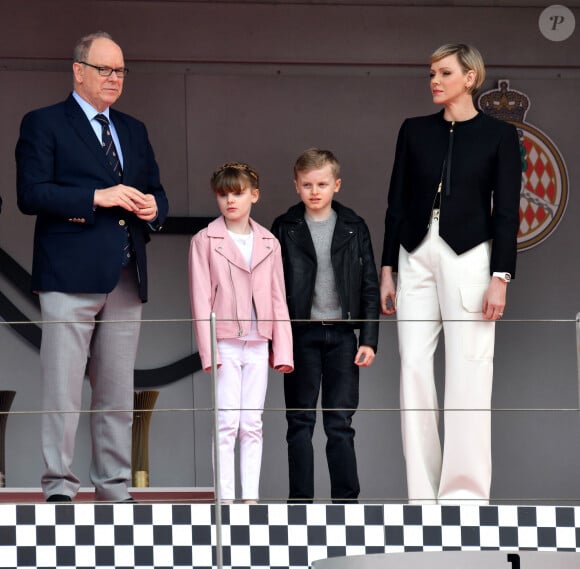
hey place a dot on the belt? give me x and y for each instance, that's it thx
(323, 323)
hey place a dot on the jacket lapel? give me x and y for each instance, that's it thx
(263, 245)
(224, 245)
(124, 135)
(300, 234)
(81, 125)
(343, 233)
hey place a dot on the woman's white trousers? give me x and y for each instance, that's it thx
(440, 290)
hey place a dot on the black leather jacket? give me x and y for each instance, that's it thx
(353, 262)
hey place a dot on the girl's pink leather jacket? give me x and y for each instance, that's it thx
(220, 281)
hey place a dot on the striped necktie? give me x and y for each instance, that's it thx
(109, 146)
(115, 164)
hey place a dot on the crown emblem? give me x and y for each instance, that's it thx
(505, 104)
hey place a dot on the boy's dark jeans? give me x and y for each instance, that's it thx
(323, 359)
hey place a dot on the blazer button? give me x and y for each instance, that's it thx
(122, 222)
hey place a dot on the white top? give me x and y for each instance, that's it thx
(245, 243)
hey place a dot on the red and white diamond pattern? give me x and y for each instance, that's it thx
(542, 202)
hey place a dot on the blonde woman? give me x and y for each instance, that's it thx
(450, 234)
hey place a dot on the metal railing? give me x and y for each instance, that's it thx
(573, 407)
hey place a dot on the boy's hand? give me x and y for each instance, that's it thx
(365, 356)
(284, 368)
(388, 291)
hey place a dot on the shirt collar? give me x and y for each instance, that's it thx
(87, 108)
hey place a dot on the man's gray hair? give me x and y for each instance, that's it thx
(81, 50)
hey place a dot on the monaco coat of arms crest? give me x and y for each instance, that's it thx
(544, 190)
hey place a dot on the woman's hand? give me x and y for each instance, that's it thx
(494, 299)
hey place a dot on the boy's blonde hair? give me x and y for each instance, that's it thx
(234, 177)
(469, 59)
(315, 158)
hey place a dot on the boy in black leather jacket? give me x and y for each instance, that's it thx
(331, 288)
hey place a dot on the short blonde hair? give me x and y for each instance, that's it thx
(234, 177)
(469, 59)
(315, 158)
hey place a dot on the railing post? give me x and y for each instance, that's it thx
(216, 453)
(6, 398)
(578, 353)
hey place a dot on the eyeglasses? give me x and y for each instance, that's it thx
(107, 71)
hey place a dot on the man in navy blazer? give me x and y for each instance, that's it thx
(93, 184)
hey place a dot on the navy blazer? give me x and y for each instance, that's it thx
(60, 163)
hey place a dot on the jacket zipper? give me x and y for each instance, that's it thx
(251, 272)
(344, 302)
(445, 171)
(240, 330)
(235, 302)
(449, 156)
(437, 193)
(215, 291)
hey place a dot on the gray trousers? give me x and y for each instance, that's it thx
(106, 328)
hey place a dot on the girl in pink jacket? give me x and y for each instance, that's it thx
(235, 270)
